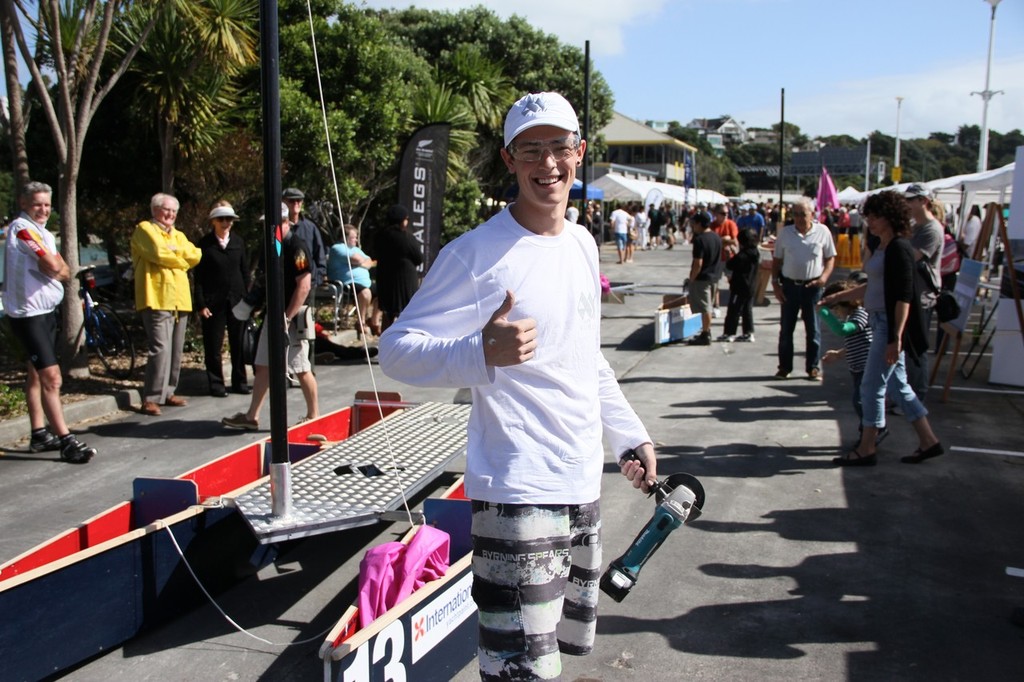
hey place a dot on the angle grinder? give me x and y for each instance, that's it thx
(680, 499)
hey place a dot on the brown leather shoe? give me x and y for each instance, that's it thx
(152, 409)
(175, 401)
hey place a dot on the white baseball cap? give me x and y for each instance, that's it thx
(540, 109)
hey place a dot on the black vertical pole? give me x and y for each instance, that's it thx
(782, 148)
(585, 179)
(271, 109)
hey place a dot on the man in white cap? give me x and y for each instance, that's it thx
(512, 310)
(926, 239)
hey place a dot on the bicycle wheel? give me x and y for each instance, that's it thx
(109, 337)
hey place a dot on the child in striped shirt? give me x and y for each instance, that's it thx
(849, 321)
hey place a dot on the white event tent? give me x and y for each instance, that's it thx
(620, 188)
(959, 190)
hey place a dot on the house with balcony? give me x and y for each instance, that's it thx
(635, 150)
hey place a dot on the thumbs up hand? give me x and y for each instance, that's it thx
(508, 343)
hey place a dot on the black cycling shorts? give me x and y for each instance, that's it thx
(38, 336)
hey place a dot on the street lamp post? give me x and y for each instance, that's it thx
(897, 171)
(987, 93)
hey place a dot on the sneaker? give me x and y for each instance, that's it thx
(716, 312)
(241, 422)
(702, 339)
(726, 338)
(74, 451)
(745, 338)
(42, 440)
(781, 375)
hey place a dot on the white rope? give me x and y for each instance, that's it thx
(359, 312)
(228, 618)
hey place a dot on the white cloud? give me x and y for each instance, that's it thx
(934, 101)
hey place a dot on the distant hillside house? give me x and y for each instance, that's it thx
(720, 131)
(637, 151)
(763, 136)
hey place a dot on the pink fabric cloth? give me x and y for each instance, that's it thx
(391, 572)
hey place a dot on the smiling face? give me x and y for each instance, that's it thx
(37, 207)
(544, 161)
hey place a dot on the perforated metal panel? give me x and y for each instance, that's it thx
(352, 483)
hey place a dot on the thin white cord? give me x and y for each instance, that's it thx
(238, 627)
(359, 312)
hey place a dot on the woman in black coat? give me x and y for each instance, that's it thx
(897, 326)
(221, 279)
(398, 256)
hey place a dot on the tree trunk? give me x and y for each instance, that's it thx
(16, 116)
(166, 129)
(73, 350)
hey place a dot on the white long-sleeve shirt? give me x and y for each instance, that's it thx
(535, 431)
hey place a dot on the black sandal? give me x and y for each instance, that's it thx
(921, 455)
(854, 459)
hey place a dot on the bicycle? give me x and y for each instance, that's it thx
(105, 333)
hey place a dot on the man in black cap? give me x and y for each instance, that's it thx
(307, 230)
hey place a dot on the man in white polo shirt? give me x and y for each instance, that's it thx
(801, 266)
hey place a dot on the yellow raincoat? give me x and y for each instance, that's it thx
(162, 261)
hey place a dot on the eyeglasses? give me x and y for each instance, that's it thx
(532, 152)
(223, 219)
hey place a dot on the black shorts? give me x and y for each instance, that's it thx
(38, 336)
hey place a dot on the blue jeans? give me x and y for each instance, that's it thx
(800, 301)
(879, 376)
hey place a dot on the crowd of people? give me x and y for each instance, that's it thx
(482, 319)
(210, 282)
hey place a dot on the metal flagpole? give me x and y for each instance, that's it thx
(987, 94)
(782, 155)
(585, 168)
(280, 475)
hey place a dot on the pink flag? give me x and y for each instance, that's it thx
(827, 196)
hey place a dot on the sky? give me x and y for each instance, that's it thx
(842, 64)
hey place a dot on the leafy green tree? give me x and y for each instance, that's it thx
(531, 60)
(794, 138)
(368, 79)
(72, 39)
(185, 75)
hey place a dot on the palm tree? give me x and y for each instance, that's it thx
(185, 75)
(437, 104)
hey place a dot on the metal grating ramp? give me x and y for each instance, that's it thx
(352, 483)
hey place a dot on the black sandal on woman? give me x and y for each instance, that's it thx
(854, 459)
(921, 455)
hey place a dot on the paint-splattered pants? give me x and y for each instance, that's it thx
(536, 570)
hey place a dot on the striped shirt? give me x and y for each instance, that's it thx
(858, 343)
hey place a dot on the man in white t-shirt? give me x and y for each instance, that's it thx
(620, 219)
(572, 214)
(512, 310)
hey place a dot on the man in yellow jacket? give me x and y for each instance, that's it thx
(162, 257)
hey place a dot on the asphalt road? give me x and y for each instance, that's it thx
(797, 569)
